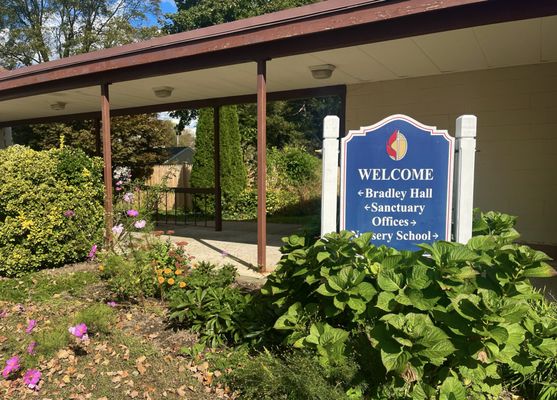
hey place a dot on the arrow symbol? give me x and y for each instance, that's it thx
(361, 193)
(367, 207)
(435, 236)
(413, 223)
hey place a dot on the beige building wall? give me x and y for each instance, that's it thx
(516, 163)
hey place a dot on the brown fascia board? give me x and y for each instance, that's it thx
(320, 26)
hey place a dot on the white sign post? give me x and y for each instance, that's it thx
(331, 127)
(464, 176)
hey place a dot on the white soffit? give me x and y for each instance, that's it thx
(507, 44)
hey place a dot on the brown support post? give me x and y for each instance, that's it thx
(97, 133)
(218, 195)
(107, 156)
(342, 115)
(261, 165)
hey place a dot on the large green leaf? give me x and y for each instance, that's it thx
(419, 278)
(389, 280)
(542, 270)
(366, 290)
(395, 361)
(385, 301)
(452, 389)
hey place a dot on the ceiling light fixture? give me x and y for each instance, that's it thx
(58, 106)
(322, 71)
(163, 91)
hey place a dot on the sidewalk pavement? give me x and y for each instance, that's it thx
(236, 244)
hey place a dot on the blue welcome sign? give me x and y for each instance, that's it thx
(396, 181)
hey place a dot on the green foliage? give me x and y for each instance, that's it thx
(293, 166)
(210, 306)
(43, 286)
(450, 321)
(83, 26)
(153, 268)
(36, 189)
(136, 140)
(99, 318)
(294, 376)
(233, 171)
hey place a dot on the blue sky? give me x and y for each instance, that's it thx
(167, 6)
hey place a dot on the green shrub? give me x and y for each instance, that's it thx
(152, 268)
(295, 376)
(450, 320)
(244, 205)
(36, 189)
(210, 307)
(292, 166)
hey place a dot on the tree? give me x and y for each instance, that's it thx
(233, 171)
(288, 122)
(136, 141)
(33, 32)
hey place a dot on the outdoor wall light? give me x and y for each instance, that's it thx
(322, 71)
(163, 91)
(58, 106)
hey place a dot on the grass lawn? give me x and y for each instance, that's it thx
(130, 354)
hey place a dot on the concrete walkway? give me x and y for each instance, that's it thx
(236, 244)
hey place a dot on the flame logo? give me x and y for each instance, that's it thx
(397, 146)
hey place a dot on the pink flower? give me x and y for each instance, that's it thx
(31, 325)
(128, 197)
(118, 229)
(118, 188)
(93, 252)
(31, 348)
(79, 331)
(32, 378)
(111, 304)
(140, 224)
(3, 314)
(119, 183)
(132, 213)
(11, 365)
(69, 213)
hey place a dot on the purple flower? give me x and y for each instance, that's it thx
(140, 224)
(31, 348)
(132, 213)
(31, 325)
(118, 229)
(11, 365)
(69, 213)
(31, 378)
(111, 304)
(79, 331)
(128, 197)
(93, 252)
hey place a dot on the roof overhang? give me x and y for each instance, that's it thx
(362, 37)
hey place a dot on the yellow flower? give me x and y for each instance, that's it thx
(101, 267)
(179, 272)
(161, 279)
(182, 284)
(26, 224)
(170, 281)
(159, 271)
(167, 271)
(86, 173)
